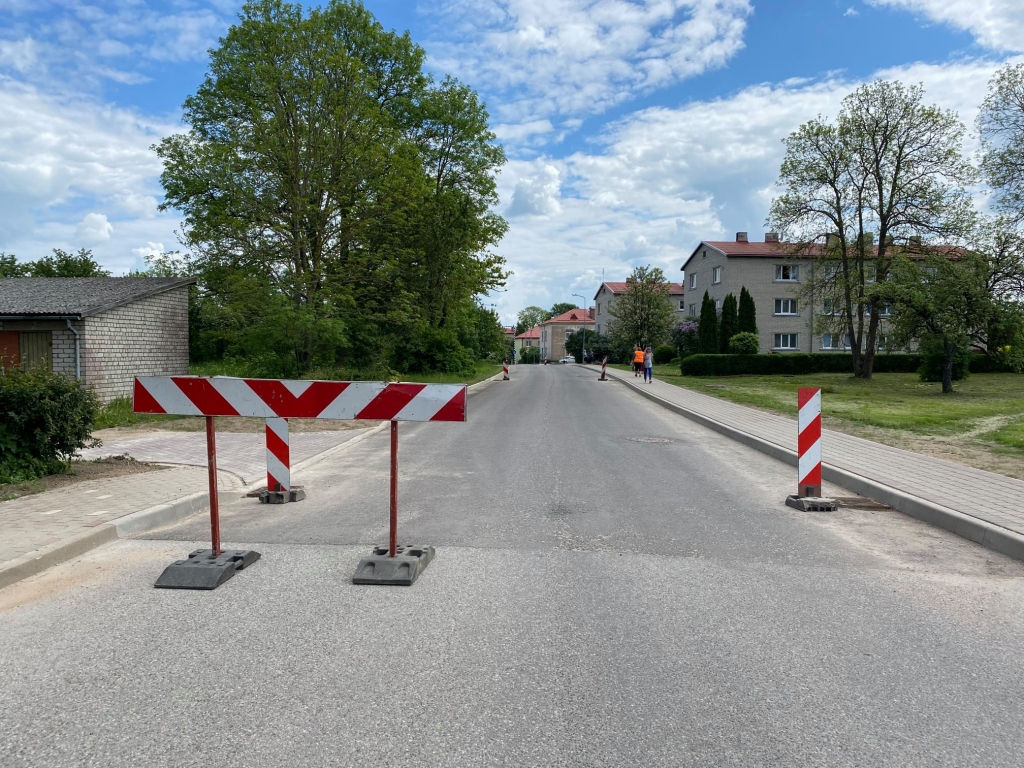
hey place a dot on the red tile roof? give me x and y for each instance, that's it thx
(572, 316)
(533, 333)
(617, 288)
(787, 250)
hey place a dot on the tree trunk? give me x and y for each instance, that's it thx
(947, 367)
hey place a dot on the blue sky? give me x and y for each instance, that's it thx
(634, 128)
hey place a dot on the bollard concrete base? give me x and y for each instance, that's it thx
(812, 503)
(204, 570)
(400, 570)
(282, 497)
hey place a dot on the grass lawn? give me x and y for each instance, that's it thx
(980, 424)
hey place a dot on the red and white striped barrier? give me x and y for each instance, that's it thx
(279, 464)
(267, 398)
(604, 369)
(809, 442)
(504, 369)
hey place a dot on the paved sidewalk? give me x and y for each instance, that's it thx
(995, 499)
(242, 453)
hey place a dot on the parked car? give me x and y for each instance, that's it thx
(568, 359)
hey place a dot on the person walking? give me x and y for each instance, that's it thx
(648, 365)
(638, 361)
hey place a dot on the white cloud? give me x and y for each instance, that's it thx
(20, 55)
(997, 24)
(538, 194)
(571, 57)
(94, 228)
(851, 11)
(149, 250)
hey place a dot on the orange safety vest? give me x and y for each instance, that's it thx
(638, 356)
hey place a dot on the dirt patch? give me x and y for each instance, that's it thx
(114, 466)
(231, 424)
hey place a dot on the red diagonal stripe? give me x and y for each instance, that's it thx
(278, 447)
(317, 396)
(804, 394)
(813, 477)
(810, 435)
(145, 402)
(388, 403)
(208, 400)
(453, 410)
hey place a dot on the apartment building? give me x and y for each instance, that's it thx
(554, 331)
(786, 315)
(608, 293)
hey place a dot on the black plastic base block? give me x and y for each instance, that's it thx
(282, 497)
(811, 503)
(400, 570)
(203, 570)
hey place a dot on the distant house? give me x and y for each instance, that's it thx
(774, 275)
(530, 338)
(104, 331)
(607, 294)
(554, 331)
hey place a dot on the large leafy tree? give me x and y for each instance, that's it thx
(529, 317)
(1001, 126)
(888, 170)
(333, 196)
(643, 314)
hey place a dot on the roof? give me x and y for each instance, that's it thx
(617, 288)
(533, 333)
(572, 316)
(803, 250)
(75, 297)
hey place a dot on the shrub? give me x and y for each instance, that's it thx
(979, 363)
(745, 343)
(686, 338)
(529, 355)
(790, 364)
(664, 354)
(44, 419)
(432, 350)
(932, 357)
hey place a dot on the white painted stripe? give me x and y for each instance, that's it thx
(428, 402)
(296, 387)
(52, 512)
(809, 460)
(279, 427)
(280, 472)
(242, 398)
(171, 399)
(356, 396)
(105, 496)
(101, 512)
(810, 410)
(94, 490)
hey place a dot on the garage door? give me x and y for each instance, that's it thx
(10, 354)
(35, 350)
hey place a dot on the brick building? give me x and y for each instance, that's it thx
(608, 293)
(554, 331)
(101, 330)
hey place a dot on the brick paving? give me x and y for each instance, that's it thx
(243, 454)
(987, 496)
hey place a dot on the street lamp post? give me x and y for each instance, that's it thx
(583, 349)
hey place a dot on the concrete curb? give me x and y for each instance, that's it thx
(986, 534)
(55, 554)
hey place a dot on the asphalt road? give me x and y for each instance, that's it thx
(614, 586)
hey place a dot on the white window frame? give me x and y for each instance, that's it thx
(693, 310)
(794, 337)
(781, 310)
(718, 304)
(828, 308)
(682, 304)
(716, 275)
(794, 273)
(845, 341)
(693, 281)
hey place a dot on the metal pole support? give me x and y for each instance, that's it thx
(211, 462)
(393, 545)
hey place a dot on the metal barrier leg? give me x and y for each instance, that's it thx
(211, 462)
(394, 489)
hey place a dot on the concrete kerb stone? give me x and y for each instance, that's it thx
(986, 534)
(55, 554)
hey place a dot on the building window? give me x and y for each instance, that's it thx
(870, 273)
(786, 273)
(886, 310)
(835, 341)
(693, 281)
(716, 275)
(693, 310)
(786, 341)
(718, 304)
(682, 305)
(785, 306)
(829, 307)
(885, 342)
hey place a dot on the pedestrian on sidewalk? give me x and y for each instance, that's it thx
(638, 361)
(648, 365)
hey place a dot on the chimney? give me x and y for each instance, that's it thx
(831, 240)
(771, 237)
(741, 237)
(915, 240)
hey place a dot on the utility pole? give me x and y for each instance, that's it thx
(583, 349)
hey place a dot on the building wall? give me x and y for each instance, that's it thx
(605, 299)
(62, 341)
(148, 337)
(552, 342)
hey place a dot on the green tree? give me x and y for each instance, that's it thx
(65, 264)
(11, 267)
(889, 170)
(643, 314)
(530, 317)
(747, 316)
(560, 307)
(1001, 127)
(729, 324)
(708, 331)
(325, 177)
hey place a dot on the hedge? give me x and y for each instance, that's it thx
(45, 419)
(802, 363)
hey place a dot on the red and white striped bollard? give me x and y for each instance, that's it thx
(504, 370)
(279, 465)
(604, 369)
(809, 442)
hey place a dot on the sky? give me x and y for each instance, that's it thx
(634, 129)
